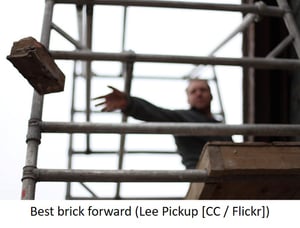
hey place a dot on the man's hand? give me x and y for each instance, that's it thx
(113, 101)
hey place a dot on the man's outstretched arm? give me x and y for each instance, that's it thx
(136, 107)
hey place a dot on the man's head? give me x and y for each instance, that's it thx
(199, 95)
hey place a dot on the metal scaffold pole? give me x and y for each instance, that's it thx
(195, 129)
(34, 133)
(258, 62)
(243, 8)
(290, 24)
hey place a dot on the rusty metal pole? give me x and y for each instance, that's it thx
(34, 132)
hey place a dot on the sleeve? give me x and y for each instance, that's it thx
(144, 110)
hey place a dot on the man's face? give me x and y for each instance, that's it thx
(199, 95)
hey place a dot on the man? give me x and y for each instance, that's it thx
(199, 98)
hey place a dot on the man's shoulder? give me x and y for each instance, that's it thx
(191, 115)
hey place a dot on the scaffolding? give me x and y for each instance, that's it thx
(83, 57)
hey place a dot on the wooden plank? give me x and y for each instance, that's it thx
(249, 171)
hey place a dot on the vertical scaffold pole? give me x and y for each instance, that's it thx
(79, 10)
(127, 74)
(88, 67)
(34, 134)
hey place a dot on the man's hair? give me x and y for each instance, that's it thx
(198, 80)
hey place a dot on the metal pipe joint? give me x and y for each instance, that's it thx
(28, 173)
(34, 131)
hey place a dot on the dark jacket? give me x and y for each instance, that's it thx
(189, 147)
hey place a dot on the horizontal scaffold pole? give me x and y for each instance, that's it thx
(196, 129)
(150, 176)
(120, 175)
(262, 63)
(258, 8)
